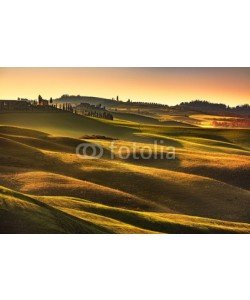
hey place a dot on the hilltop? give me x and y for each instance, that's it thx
(214, 114)
(214, 108)
(106, 102)
(196, 105)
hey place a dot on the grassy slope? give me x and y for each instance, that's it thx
(137, 118)
(25, 214)
(64, 124)
(213, 162)
(117, 183)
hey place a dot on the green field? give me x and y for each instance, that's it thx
(45, 187)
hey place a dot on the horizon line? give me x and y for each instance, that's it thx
(133, 101)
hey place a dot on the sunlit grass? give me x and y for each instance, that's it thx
(29, 214)
(201, 190)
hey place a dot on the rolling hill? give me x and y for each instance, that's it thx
(47, 188)
(25, 214)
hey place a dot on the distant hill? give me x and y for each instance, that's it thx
(195, 105)
(214, 108)
(86, 99)
(105, 102)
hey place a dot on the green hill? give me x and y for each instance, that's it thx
(65, 124)
(40, 164)
(204, 189)
(25, 214)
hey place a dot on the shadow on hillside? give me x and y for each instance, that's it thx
(16, 131)
(237, 177)
(158, 141)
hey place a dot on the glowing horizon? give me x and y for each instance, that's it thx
(164, 85)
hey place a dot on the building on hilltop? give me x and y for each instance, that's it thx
(90, 110)
(43, 102)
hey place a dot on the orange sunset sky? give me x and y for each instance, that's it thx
(165, 85)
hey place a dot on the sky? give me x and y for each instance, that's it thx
(164, 85)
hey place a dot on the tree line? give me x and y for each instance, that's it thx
(208, 107)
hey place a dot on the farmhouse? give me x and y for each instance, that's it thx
(97, 111)
(43, 102)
